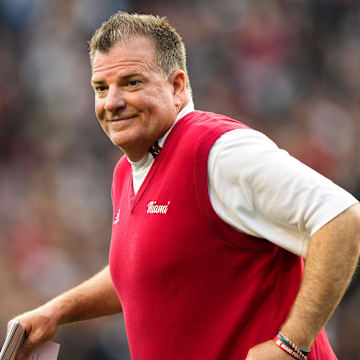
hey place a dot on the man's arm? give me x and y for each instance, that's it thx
(94, 298)
(330, 264)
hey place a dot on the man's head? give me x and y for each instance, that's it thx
(139, 89)
(170, 49)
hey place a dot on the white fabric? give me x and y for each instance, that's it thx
(261, 190)
(140, 169)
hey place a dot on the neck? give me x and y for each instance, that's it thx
(135, 156)
(137, 152)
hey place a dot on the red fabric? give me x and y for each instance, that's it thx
(191, 287)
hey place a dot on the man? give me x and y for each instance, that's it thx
(211, 221)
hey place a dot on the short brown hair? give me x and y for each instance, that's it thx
(170, 49)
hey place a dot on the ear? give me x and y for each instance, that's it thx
(178, 82)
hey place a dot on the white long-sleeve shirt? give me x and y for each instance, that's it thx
(261, 190)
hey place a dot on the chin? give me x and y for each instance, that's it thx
(119, 138)
(118, 143)
(122, 141)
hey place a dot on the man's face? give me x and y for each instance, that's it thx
(134, 102)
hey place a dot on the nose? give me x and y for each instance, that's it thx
(114, 100)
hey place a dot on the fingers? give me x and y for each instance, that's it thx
(36, 336)
(9, 326)
(25, 350)
(26, 347)
(39, 326)
(25, 325)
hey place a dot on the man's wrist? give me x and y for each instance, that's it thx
(56, 311)
(299, 336)
(290, 348)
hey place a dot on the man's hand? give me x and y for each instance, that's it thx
(40, 325)
(93, 298)
(267, 351)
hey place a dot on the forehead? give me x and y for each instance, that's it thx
(134, 54)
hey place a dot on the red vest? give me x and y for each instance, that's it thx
(192, 287)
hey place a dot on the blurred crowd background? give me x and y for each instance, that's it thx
(288, 68)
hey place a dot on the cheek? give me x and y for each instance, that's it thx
(99, 109)
(158, 102)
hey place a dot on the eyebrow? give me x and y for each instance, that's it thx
(97, 82)
(125, 77)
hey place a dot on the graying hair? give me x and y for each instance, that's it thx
(121, 26)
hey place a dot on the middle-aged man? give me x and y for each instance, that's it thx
(211, 221)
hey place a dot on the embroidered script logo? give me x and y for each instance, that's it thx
(117, 218)
(154, 208)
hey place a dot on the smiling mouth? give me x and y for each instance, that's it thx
(123, 118)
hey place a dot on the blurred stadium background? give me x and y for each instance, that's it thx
(289, 68)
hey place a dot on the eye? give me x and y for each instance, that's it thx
(100, 89)
(133, 83)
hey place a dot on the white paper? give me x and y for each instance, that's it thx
(45, 351)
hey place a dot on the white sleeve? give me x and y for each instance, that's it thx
(261, 190)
